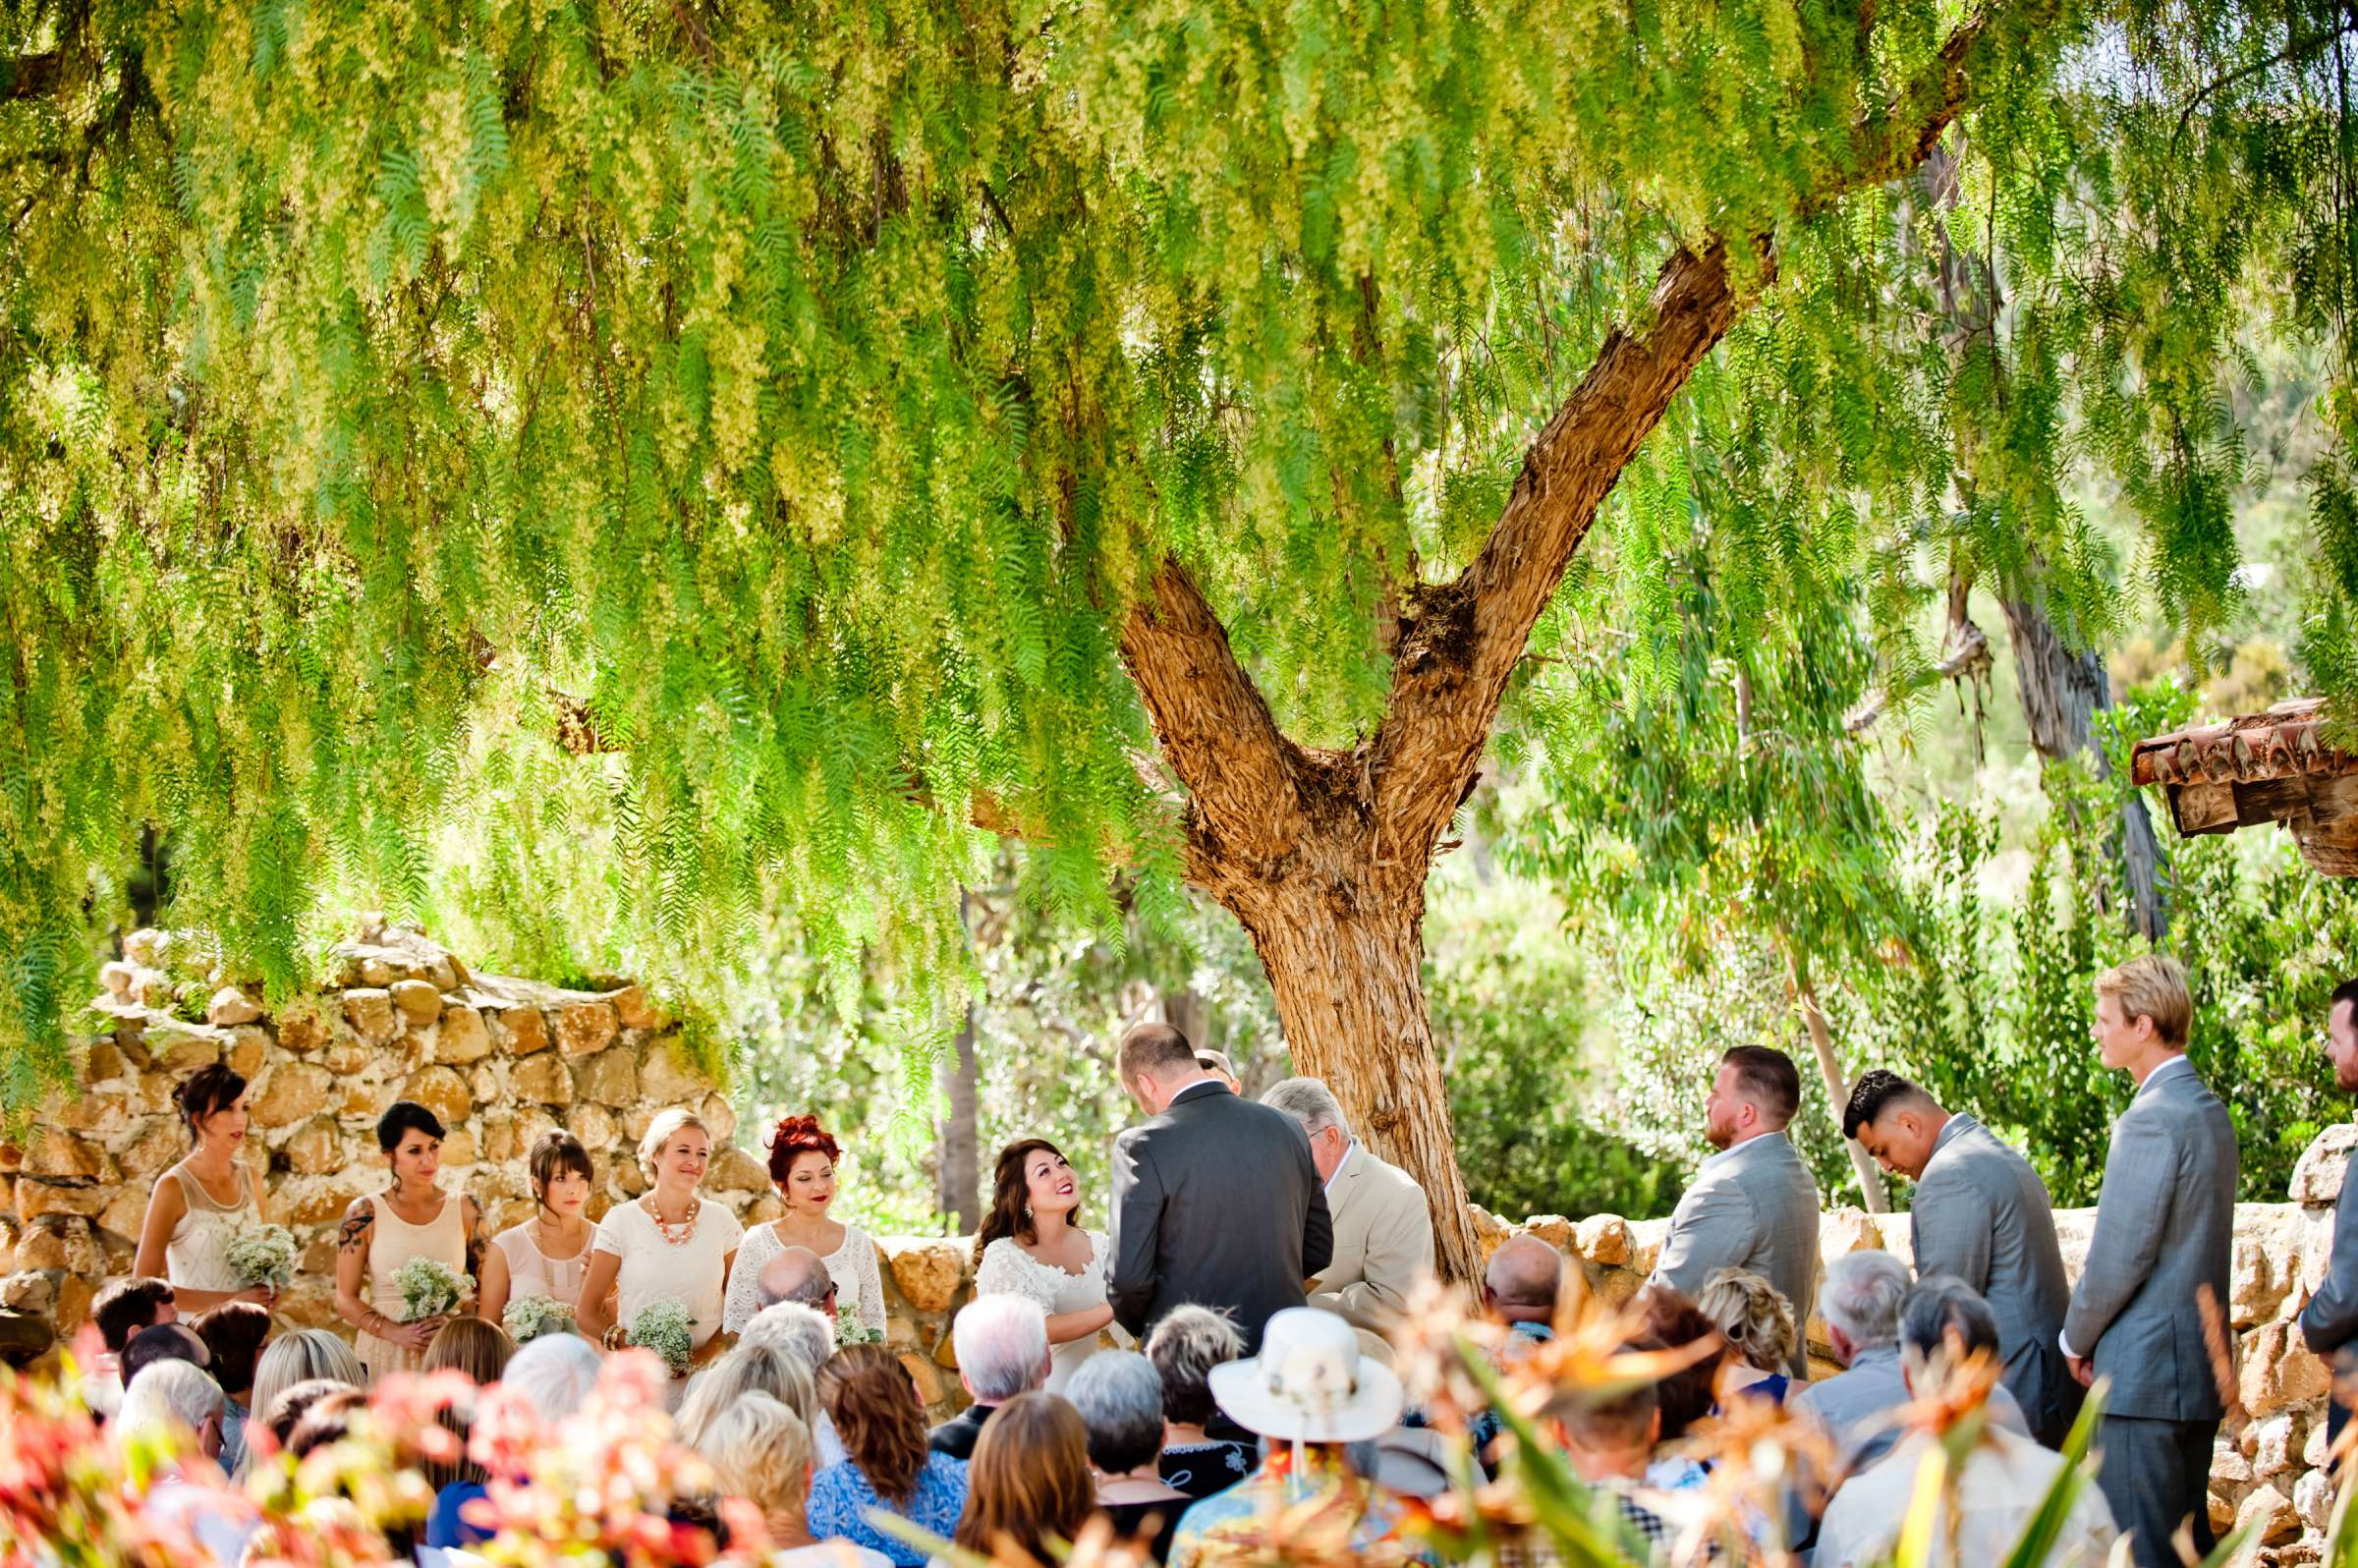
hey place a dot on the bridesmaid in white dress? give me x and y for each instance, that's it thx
(201, 1205)
(1029, 1246)
(668, 1243)
(408, 1219)
(802, 1166)
(548, 1254)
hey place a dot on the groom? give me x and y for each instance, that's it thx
(1215, 1200)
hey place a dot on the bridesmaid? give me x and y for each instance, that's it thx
(802, 1166)
(201, 1205)
(669, 1242)
(1029, 1246)
(548, 1254)
(408, 1219)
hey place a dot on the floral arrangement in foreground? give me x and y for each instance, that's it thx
(429, 1288)
(527, 1318)
(850, 1331)
(664, 1326)
(262, 1256)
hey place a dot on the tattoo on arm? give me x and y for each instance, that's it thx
(353, 1235)
(475, 1241)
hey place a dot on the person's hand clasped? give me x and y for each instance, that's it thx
(2084, 1369)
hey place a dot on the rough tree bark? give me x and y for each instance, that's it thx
(1322, 853)
(958, 1162)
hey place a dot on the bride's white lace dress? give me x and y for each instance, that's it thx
(1007, 1270)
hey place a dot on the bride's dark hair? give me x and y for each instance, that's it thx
(1009, 1214)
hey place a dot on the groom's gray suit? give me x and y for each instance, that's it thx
(1751, 1206)
(2164, 1231)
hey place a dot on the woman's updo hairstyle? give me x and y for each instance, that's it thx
(406, 1115)
(659, 1132)
(207, 1091)
(794, 1137)
(557, 1153)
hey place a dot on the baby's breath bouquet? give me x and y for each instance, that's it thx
(429, 1288)
(850, 1331)
(527, 1318)
(664, 1326)
(263, 1254)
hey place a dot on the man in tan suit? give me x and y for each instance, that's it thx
(1382, 1229)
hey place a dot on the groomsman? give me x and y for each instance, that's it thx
(2330, 1323)
(1752, 1205)
(1982, 1214)
(2164, 1234)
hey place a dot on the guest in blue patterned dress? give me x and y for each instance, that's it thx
(874, 1406)
(1185, 1347)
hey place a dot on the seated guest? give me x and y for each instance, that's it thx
(1610, 1445)
(476, 1346)
(2004, 1479)
(1757, 1322)
(1859, 1406)
(882, 1421)
(798, 1276)
(176, 1402)
(234, 1333)
(1185, 1347)
(283, 1411)
(760, 1451)
(1003, 1348)
(1667, 1320)
(1519, 1289)
(1027, 1486)
(327, 1421)
(305, 1356)
(1119, 1396)
(807, 1335)
(555, 1374)
(748, 1370)
(483, 1351)
(1311, 1393)
(164, 1342)
(1382, 1230)
(121, 1311)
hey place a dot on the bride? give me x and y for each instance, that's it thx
(1029, 1246)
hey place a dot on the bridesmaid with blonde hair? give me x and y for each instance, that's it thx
(412, 1218)
(200, 1204)
(666, 1243)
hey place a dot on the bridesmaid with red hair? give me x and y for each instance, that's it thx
(802, 1166)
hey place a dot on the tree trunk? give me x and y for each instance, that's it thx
(959, 1163)
(1837, 1087)
(2062, 691)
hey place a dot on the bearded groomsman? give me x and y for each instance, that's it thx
(1752, 1205)
(2164, 1234)
(2330, 1323)
(1980, 1214)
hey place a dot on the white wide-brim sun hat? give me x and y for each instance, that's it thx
(1310, 1384)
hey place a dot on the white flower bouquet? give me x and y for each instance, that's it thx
(850, 1331)
(263, 1254)
(429, 1288)
(666, 1327)
(527, 1318)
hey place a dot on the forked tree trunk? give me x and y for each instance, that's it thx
(1837, 1087)
(959, 1148)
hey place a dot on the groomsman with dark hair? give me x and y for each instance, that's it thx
(2330, 1323)
(1752, 1205)
(1980, 1214)
(2164, 1236)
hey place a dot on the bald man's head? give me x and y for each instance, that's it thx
(798, 1275)
(1522, 1281)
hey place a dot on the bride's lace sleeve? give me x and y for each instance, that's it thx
(759, 1246)
(1006, 1271)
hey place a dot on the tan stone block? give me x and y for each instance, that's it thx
(143, 946)
(307, 1201)
(609, 1078)
(54, 1151)
(2313, 1498)
(719, 1117)
(300, 1028)
(101, 1114)
(125, 1212)
(927, 1273)
(585, 1028)
(291, 1091)
(2279, 1520)
(104, 1063)
(44, 1245)
(1604, 1238)
(75, 1293)
(360, 1099)
(596, 1129)
(12, 1155)
(2317, 1175)
(628, 1176)
(181, 1049)
(2277, 1371)
(316, 1149)
(246, 1049)
(1553, 1229)
(157, 1148)
(542, 1080)
(369, 1010)
(459, 1148)
(464, 1036)
(9, 1235)
(667, 1077)
(441, 1091)
(33, 1291)
(519, 1030)
(736, 1171)
(1619, 1286)
(2276, 1446)
(417, 1000)
(635, 1009)
(229, 1007)
(763, 1210)
(924, 1374)
(636, 1120)
(1843, 1231)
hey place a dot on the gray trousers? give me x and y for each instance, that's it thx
(2156, 1475)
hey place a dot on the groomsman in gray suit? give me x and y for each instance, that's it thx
(1752, 1205)
(2330, 1323)
(2164, 1228)
(1980, 1214)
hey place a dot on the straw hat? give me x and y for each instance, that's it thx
(1310, 1384)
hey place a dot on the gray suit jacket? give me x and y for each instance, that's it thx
(2330, 1323)
(1752, 1207)
(1216, 1202)
(1981, 1213)
(2165, 1227)
(1856, 1407)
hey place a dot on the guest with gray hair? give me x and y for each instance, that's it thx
(803, 1332)
(1184, 1349)
(1861, 1304)
(1119, 1395)
(555, 1374)
(1002, 1347)
(176, 1399)
(746, 1369)
(1383, 1227)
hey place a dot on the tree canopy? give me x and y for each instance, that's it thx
(612, 473)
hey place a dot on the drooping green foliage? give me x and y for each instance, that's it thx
(609, 475)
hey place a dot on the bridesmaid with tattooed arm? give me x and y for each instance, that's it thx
(408, 1219)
